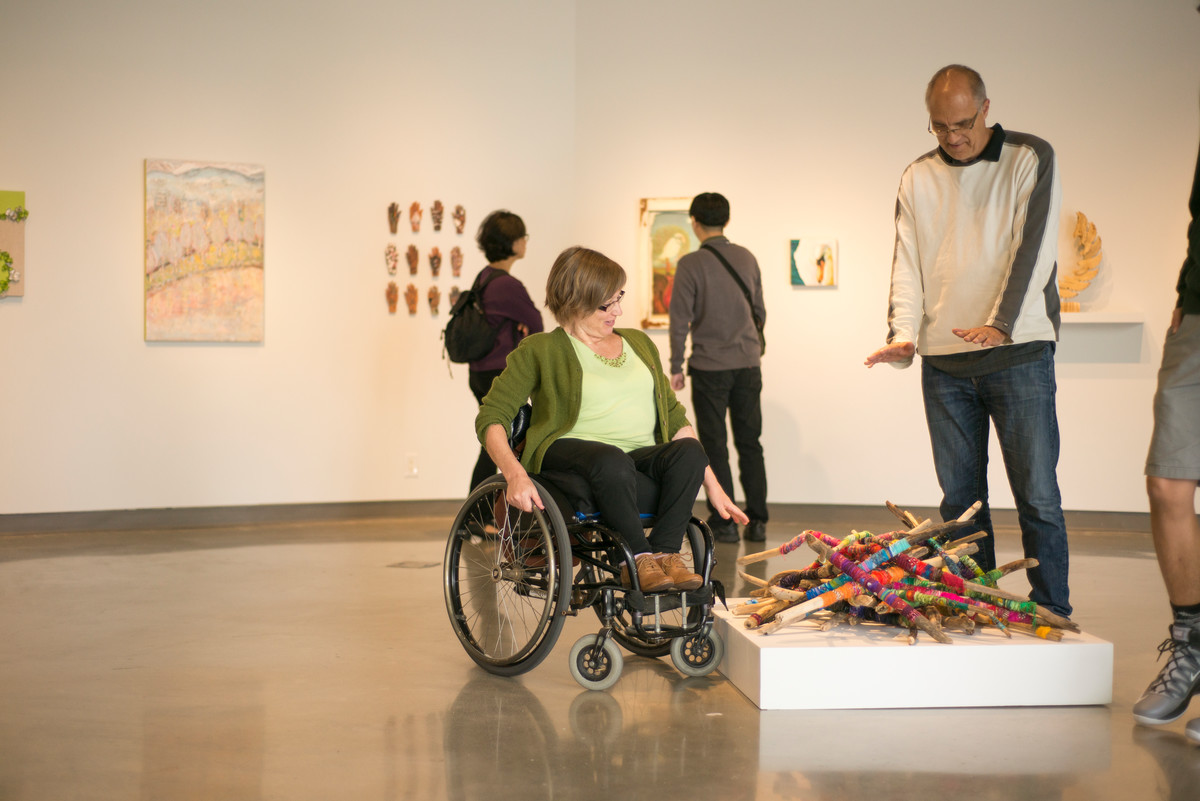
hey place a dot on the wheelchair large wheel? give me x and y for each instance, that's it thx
(507, 579)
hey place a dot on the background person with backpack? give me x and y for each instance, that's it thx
(507, 307)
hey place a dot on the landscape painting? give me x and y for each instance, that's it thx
(204, 252)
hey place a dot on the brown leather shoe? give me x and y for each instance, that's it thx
(672, 564)
(651, 577)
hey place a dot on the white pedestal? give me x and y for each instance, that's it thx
(867, 667)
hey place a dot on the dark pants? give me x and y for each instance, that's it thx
(1020, 401)
(738, 393)
(676, 470)
(480, 383)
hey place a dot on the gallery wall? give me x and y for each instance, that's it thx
(803, 113)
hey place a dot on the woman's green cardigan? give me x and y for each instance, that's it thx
(545, 369)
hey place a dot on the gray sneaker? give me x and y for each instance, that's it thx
(1193, 731)
(1168, 695)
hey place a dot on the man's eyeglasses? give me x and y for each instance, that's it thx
(939, 130)
(605, 306)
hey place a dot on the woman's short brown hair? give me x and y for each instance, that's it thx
(579, 282)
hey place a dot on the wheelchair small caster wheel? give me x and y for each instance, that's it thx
(698, 655)
(595, 668)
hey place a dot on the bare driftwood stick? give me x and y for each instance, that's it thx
(905, 517)
(749, 579)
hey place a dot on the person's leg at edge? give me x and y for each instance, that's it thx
(1176, 534)
(1172, 468)
(612, 477)
(710, 403)
(1021, 400)
(958, 433)
(745, 416)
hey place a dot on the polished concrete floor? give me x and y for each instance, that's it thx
(312, 659)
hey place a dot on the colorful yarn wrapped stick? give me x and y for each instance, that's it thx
(946, 601)
(884, 554)
(761, 611)
(906, 541)
(793, 544)
(1043, 632)
(985, 588)
(843, 592)
(1028, 608)
(873, 585)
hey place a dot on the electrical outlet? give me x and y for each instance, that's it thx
(411, 462)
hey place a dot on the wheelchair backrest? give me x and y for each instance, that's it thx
(520, 425)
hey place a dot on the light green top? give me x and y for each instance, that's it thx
(617, 407)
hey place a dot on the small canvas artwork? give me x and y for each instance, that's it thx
(204, 252)
(814, 262)
(12, 244)
(664, 237)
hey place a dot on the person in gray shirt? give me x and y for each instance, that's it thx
(725, 363)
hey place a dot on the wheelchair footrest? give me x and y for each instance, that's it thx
(658, 602)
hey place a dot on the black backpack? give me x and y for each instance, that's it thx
(468, 337)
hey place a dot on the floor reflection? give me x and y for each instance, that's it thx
(310, 661)
(1178, 763)
(649, 736)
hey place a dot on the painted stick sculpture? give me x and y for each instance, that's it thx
(884, 579)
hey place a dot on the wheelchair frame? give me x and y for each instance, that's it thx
(509, 587)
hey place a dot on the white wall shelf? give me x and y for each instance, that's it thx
(1109, 317)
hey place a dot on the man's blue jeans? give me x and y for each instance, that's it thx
(1020, 400)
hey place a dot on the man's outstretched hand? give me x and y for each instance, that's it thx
(895, 352)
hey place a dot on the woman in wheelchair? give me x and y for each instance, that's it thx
(603, 413)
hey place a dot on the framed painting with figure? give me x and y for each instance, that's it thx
(664, 236)
(814, 262)
(204, 252)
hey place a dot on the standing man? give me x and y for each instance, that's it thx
(725, 315)
(1172, 471)
(974, 292)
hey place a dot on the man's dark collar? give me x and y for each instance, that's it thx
(991, 152)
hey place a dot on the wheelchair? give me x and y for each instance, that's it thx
(511, 578)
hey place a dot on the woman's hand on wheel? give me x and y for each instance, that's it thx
(523, 494)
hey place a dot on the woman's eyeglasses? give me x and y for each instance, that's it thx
(605, 306)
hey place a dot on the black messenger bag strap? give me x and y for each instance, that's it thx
(745, 292)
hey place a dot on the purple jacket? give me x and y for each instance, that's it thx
(506, 304)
